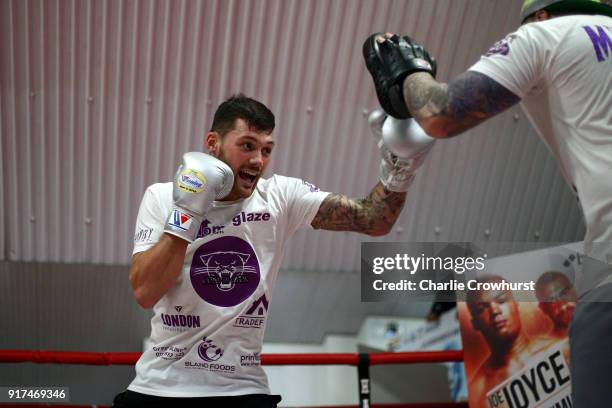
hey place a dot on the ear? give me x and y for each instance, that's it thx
(213, 143)
(542, 15)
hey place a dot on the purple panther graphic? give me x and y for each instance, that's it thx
(225, 271)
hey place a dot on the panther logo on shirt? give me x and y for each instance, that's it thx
(224, 269)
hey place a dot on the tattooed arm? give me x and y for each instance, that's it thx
(445, 110)
(373, 215)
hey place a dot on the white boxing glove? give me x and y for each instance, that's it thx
(403, 146)
(199, 180)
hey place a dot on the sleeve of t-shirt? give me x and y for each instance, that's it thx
(303, 200)
(150, 221)
(516, 61)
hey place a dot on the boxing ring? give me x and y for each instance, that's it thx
(362, 361)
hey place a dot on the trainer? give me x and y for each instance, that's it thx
(558, 65)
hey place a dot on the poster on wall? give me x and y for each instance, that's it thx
(516, 350)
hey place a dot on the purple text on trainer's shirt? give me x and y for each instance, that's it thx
(502, 47)
(601, 41)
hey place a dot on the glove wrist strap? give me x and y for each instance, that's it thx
(183, 224)
(395, 178)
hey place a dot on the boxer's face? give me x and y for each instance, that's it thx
(558, 300)
(247, 152)
(496, 315)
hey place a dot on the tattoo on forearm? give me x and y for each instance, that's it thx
(424, 94)
(374, 214)
(468, 100)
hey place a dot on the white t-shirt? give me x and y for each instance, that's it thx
(207, 330)
(562, 70)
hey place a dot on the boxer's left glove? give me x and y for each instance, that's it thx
(403, 146)
(199, 180)
(390, 62)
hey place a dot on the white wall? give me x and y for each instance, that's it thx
(337, 385)
(314, 385)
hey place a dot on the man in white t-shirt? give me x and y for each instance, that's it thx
(558, 65)
(208, 248)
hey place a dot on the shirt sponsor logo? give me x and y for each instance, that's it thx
(250, 217)
(170, 353)
(225, 271)
(250, 360)
(502, 47)
(181, 320)
(254, 318)
(180, 220)
(192, 181)
(143, 235)
(210, 353)
(179, 323)
(213, 367)
(312, 187)
(207, 228)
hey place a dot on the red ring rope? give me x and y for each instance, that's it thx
(90, 358)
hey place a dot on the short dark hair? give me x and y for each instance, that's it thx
(256, 115)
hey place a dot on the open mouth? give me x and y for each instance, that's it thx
(248, 175)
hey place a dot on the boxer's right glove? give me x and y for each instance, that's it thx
(199, 180)
(390, 62)
(403, 146)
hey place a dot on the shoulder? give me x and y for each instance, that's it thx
(277, 179)
(283, 183)
(158, 195)
(555, 29)
(274, 181)
(156, 202)
(528, 35)
(159, 190)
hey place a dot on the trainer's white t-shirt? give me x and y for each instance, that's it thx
(207, 330)
(562, 70)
